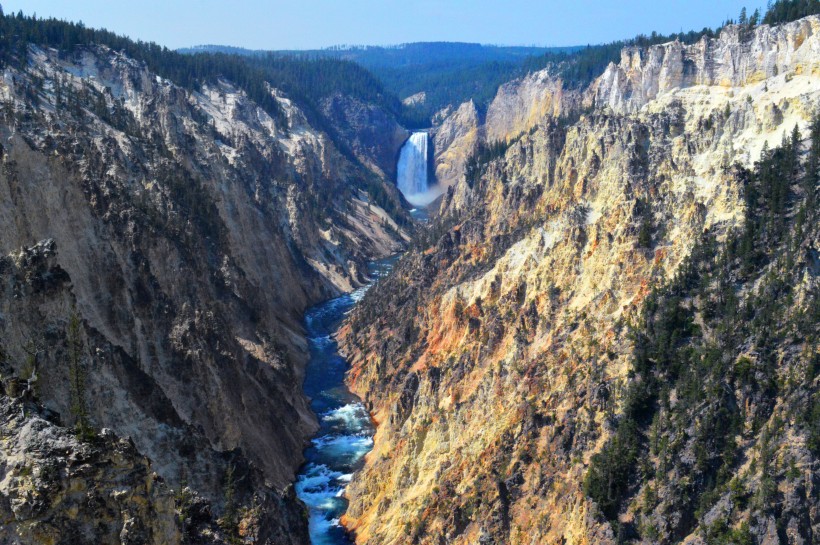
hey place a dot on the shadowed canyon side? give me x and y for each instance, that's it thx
(182, 232)
(610, 332)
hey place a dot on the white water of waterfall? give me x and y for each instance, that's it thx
(412, 171)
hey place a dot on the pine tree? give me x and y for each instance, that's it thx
(77, 376)
(755, 19)
(230, 518)
(811, 179)
(645, 232)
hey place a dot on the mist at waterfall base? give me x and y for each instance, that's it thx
(346, 431)
(412, 171)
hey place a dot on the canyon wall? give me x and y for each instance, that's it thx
(374, 135)
(517, 107)
(186, 232)
(741, 58)
(501, 359)
(453, 141)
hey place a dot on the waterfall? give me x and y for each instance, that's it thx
(412, 170)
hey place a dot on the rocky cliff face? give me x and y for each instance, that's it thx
(373, 134)
(453, 141)
(740, 57)
(517, 107)
(187, 231)
(49, 476)
(520, 104)
(57, 488)
(500, 359)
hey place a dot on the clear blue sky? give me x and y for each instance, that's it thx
(303, 24)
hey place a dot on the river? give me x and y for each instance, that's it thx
(346, 430)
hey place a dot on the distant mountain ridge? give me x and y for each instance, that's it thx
(448, 73)
(407, 54)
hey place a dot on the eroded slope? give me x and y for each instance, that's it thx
(500, 358)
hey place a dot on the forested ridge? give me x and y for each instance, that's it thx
(784, 11)
(305, 80)
(447, 73)
(451, 73)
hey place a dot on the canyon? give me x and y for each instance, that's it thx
(583, 313)
(181, 230)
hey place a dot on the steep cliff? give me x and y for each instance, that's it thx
(739, 58)
(454, 140)
(520, 104)
(373, 134)
(186, 231)
(517, 107)
(513, 359)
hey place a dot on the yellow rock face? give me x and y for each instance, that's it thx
(494, 360)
